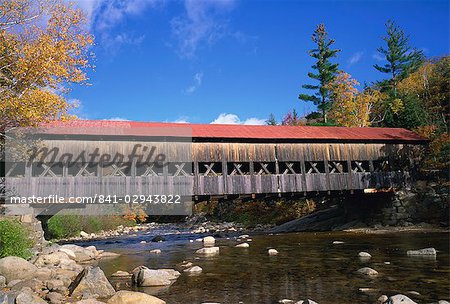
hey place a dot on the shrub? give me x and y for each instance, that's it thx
(67, 225)
(64, 225)
(14, 239)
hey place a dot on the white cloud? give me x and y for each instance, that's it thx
(181, 120)
(198, 78)
(254, 121)
(355, 58)
(103, 15)
(202, 22)
(125, 38)
(116, 119)
(378, 57)
(233, 119)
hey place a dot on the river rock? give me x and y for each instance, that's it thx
(107, 254)
(69, 253)
(15, 268)
(89, 301)
(145, 277)
(91, 283)
(338, 242)
(173, 274)
(12, 283)
(193, 270)
(131, 297)
(364, 255)
(243, 245)
(244, 236)
(2, 281)
(81, 254)
(121, 274)
(28, 298)
(155, 251)
(443, 302)
(208, 251)
(52, 259)
(400, 299)
(307, 301)
(55, 298)
(33, 284)
(272, 251)
(44, 274)
(286, 301)
(186, 264)
(425, 251)
(84, 234)
(209, 240)
(367, 271)
(158, 238)
(382, 299)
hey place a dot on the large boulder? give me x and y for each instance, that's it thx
(28, 298)
(131, 297)
(15, 268)
(52, 259)
(91, 283)
(208, 251)
(422, 252)
(33, 284)
(400, 299)
(81, 254)
(145, 277)
(367, 271)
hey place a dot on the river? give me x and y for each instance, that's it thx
(308, 265)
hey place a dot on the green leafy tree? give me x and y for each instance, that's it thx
(401, 58)
(325, 71)
(271, 121)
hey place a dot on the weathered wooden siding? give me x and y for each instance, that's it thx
(220, 168)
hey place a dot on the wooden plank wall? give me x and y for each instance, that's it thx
(303, 158)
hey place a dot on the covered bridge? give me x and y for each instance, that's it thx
(216, 160)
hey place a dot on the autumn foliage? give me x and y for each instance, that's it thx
(44, 46)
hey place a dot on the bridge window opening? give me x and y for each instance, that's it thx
(180, 169)
(47, 169)
(261, 168)
(117, 170)
(360, 166)
(314, 167)
(148, 169)
(287, 168)
(337, 166)
(238, 169)
(210, 169)
(16, 169)
(82, 169)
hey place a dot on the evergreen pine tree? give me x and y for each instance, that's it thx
(326, 71)
(401, 58)
(271, 121)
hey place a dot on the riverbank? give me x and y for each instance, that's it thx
(167, 260)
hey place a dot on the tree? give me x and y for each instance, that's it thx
(326, 71)
(271, 121)
(351, 108)
(401, 58)
(292, 119)
(44, 45)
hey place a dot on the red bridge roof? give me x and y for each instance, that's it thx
(228, 132)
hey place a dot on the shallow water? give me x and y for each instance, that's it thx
(308, 266)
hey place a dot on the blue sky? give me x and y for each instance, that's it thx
(233, 61)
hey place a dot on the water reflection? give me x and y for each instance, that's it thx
(308, 265)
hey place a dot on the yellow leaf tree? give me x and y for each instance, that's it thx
(351, 108)
(44, 46)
